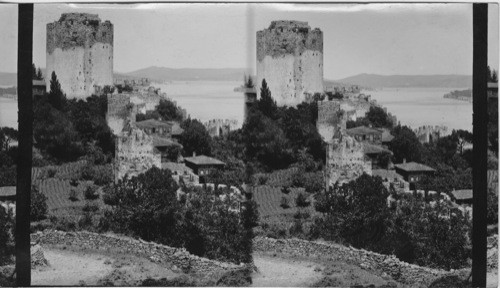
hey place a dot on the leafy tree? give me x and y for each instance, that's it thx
(437, 233)
(168, 110)
(7, 135)
(146, 206)
(384, 159)
(195, 138)
(8, 176)
(405, 145)
(57, 98)
(248, 81)
(492, 208)
(38, 205)
(265, 142)
(353, 211)
(378, 117)
(149, 115)
(493, 125)
(55, 134)
(36, 73)
(266, 103)
(7, 246)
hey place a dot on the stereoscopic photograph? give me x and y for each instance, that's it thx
(249, 144)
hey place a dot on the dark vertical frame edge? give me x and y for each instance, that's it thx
(24, 157)
(480, 144)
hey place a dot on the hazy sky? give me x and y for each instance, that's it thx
(358, 38)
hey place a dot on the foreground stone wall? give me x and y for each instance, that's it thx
(80, 52)
(402, 272)
(155, 252)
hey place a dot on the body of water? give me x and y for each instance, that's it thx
(8, 113)
(207, 100)
(416, 107)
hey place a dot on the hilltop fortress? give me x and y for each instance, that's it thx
(290, 58)
(80, 51)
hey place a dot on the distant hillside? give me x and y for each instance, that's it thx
(187, 74)
(8, 79)
(399, 81)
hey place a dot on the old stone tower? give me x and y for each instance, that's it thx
(80, 51)
(290, 58)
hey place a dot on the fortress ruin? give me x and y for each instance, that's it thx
(345, 157)
(135, 152)
(290, 59)
(80, 52)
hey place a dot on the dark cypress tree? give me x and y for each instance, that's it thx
(266, 103)
(56, 96)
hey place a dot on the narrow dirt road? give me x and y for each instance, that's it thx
(69, 269)
(275, 272)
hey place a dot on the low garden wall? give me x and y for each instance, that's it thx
(400, 271)
(155, 252)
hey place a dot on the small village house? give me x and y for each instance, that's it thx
(366, 134)
(413, 172)
(203, 165)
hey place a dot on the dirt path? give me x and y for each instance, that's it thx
(274, 272)
(68, 268)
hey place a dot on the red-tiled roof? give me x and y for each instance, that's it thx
(203, 160)
(413, 166)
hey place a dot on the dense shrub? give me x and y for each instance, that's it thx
(73, 194)
(8, 176)
(301, 200)
(38, 205)
(492, 214)
(85, 221)
(284, 203)
(146, 206)
(91, 193)
(7, 247)
(236, 278)
(179, 281)
(90, 207)
(428, 234)
(100, 174)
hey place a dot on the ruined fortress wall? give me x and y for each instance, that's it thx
(346, 161)
(117, 112)
(329, 116)
(80, 52)
(135, 153)
(290, 58)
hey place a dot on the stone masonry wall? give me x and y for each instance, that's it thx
(135, 152)
(117, 112)
(409, 274)
(290, 58)
(328, 122)
(346, 160)
(80, 52)
(155, 252)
